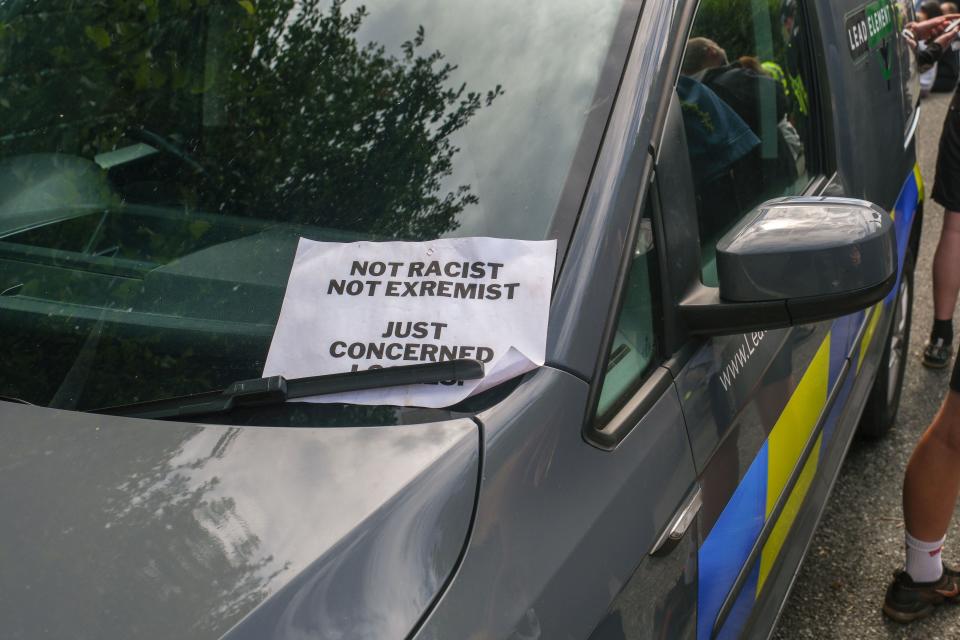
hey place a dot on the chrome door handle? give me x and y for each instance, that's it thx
(679, 524)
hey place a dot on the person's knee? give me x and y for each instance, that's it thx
(951, 221)
(946, 426)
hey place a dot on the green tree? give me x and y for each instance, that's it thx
(270, 110)
(730, 23)
(287, 114)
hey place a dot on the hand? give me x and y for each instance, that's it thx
(946, 38)
(908, 38)
(932, 28)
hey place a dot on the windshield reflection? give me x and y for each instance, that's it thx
(273, 110)
(159, 161)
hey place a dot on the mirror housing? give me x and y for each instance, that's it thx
(793, 261)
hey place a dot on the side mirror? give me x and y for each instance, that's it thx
(793, 261)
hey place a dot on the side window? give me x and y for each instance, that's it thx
(633, 351)
(743, 89)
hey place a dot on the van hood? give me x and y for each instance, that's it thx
(125, 528)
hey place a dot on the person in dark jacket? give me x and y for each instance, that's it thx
(948, 68)
(946, 191)
(771, 167)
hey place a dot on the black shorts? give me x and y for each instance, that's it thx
(946, 186)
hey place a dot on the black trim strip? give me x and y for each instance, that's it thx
(836, 305)
(771, 522)
(608, 436)
(592, 433)
(616, 429)
(861, 333)
(706, 313)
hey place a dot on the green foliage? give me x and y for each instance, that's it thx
(730, 23)
(371, 140)
(270, 110)
(289, 116)
(98, 35)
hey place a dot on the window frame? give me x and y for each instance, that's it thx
(650, 204)
(606, 432)
(673, 345)
(821, 162)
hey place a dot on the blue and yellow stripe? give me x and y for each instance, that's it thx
(732, 539)
(733, 536)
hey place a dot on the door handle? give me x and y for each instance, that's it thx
(673, 533)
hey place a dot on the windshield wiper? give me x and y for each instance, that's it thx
(277, 389)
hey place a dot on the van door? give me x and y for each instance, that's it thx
(757, 406)
(873, 123)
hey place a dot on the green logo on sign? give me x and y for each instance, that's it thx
(870, 28)
(879, 22)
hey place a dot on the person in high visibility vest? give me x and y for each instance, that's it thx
(792, 85)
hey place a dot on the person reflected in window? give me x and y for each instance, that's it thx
(718, 140)
(789, 132)
(717, 137)
(770, 169)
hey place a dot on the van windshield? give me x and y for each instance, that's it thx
(160, 159)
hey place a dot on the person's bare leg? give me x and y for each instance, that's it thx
(930, 488)
(946, 268)
(932, 481)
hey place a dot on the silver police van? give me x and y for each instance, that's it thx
(733, 193)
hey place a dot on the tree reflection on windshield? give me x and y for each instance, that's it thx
(269, 110)
(151, 148)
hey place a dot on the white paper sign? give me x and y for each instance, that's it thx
(369, 304)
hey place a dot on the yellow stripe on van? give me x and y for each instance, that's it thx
(786, 442)
(919, 178)
(774, 544)
(868, 334)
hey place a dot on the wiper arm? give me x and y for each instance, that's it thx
(277, 389)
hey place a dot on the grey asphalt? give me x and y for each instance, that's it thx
(859, 543)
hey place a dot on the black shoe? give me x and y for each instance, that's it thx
(907, 600)
(936, 355)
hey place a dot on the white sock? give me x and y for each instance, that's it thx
(923, 559)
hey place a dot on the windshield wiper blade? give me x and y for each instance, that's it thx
(277, 389)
